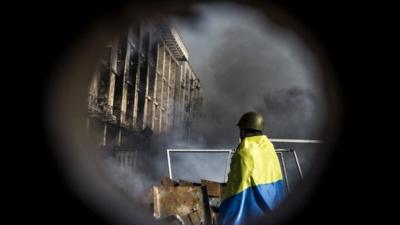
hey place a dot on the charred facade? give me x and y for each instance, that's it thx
(144, 85)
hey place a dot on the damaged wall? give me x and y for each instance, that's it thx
(144, 83)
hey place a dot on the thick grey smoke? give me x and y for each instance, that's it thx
(126, 178)
(246, 63)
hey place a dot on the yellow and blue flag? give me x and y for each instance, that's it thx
(255, 185)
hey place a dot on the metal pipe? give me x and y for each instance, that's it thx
(230, 151)
(226, 167)
(199, 150)
(193, 150)
(283, 150)
(298, 164)
(220, 150)
(169, 165)
(305, 141)
(284, 171)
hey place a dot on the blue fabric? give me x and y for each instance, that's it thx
(250, 204)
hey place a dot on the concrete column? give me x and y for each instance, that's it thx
(124, 101)
(94, 87)
(157, 90)
(166, 91)
(161, 89)
(113, 69)
(152, 59)
(171, 94)
(136, 98)
(146, 91)
(137, 81)
(178, 94)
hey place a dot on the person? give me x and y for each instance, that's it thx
(255, 184)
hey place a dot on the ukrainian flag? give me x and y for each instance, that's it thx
(255, 185)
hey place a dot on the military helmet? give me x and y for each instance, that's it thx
(251, 120)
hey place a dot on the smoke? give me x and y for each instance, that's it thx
(292, 113)
(133, 182)
(246, 63)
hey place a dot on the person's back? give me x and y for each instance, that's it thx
(255, 184)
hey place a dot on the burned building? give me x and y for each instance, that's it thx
(144, 85)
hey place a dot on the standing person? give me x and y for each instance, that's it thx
(255, 185)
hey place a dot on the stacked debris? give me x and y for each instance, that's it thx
(187, 203)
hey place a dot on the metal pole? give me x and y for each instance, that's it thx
(226, 167)
(169, 165)
(298, 164)
(199, 150)
(283, 150)
(284, 171)
(296, 141)
(194, 150)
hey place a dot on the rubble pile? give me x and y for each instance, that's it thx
(187, 203)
